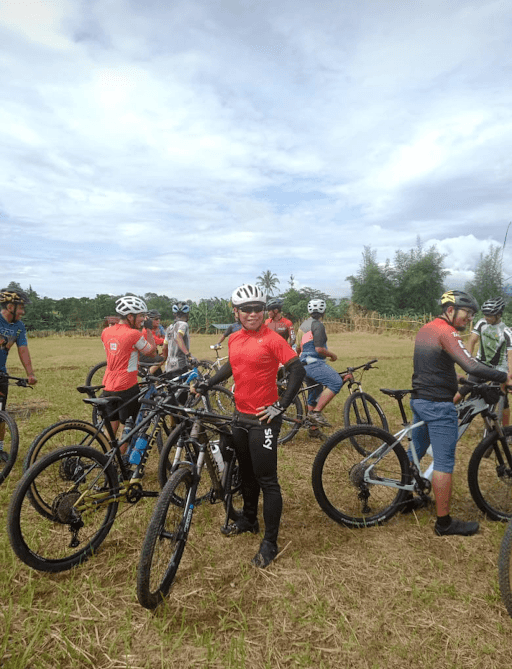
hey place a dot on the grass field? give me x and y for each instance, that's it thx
(387, 597)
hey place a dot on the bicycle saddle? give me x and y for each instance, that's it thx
(397, 394)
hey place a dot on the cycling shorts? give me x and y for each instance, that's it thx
(440, 430)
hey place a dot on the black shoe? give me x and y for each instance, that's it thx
(460, 527)
(239, 527)
(316, 433)
(265, 555)
(412, 503)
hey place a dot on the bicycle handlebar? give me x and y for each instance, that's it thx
(23, 383)
(367, 365)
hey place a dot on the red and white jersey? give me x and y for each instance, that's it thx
(283, 327)
(255, 357)
(122, 345)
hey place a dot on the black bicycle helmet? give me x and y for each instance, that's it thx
(459, 299)
(493, 307)
(154, 313)
(13, 297)
(275, 303)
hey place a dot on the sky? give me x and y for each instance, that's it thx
(183, 148)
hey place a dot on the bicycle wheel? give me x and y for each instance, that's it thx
(165, 540)
(206, 367)
(338, 477)
(490, 476)
(65, 433)
(362, 409)
(292, 421)
(505, 568)
(221, 400)
(11, 441)
(95, 375)
(81, 492)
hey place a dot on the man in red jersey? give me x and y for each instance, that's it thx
(255, 354)
(123, 344)
(437, 348)
(277, 322)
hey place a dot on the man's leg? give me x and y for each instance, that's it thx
(442, 487)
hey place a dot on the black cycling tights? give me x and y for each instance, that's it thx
(256, 449)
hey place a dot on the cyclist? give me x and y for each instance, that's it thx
(158, 330)
(277, 322)
(12, 331)
(495, 340)
(176, 349)
(124, 343)
(233, 327)
(438, 347)
(312, 347)
(255, 354)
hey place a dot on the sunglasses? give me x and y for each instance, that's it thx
(255, 308)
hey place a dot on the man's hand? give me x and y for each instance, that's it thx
(267, 414)
(201, 388)
(347, 377)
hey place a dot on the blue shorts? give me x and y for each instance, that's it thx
(440, 430)
(320, 372)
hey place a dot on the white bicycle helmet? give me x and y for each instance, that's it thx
(130, 304)
(180, 308)
(248, 294)
(316, 306)
(493, 307)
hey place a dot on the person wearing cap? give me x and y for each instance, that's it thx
(255, 354)
(438, 348)
(124, 343)
(176, 349)
(277, 322)
(12, 331)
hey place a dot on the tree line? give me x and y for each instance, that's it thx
(413, 283)
(409, 286)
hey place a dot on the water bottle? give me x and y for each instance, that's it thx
(217, 454)
(138, 449)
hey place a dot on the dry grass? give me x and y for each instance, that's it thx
(386, 597)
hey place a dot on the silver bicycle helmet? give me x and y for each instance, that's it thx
(316, 306)
(248, 294)
(180, 308)
(459, 299)
(493, 307)
(275, 303)
(130, 304)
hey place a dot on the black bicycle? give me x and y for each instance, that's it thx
(360, 408)
(65, 504)
(170, 524)
(9, 435)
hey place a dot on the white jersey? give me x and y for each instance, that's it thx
(495, 341)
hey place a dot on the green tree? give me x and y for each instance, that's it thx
(488, 281)
(268, 281)
(372, 287)
(418, 278)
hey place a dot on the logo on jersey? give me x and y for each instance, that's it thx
(268, 438)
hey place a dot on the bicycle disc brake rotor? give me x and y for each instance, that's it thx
(71, 469)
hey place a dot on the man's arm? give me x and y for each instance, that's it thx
(473, 340)
(24, 356)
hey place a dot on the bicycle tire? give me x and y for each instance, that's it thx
(362, 409)
(490, 476)
(206, 367)
(337, 477)
(221, 400)
(292, 421)
(65, 433)
(505, 568)
(67, 476)
(165, 540)
(90, 380)
(11, 441)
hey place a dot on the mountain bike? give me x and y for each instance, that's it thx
(9, 428)
(170, 524)
(362, 475)
(360, 408)
(66, 502)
